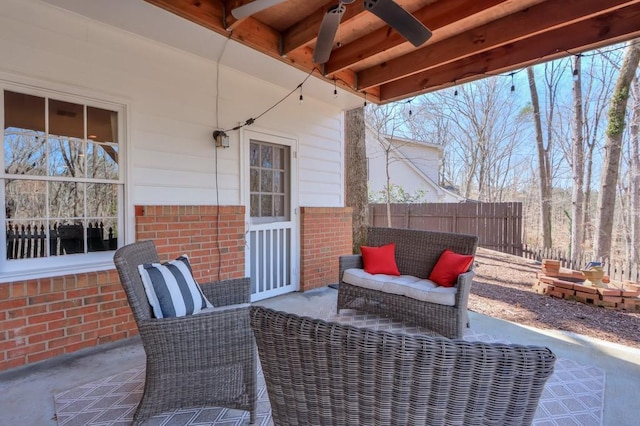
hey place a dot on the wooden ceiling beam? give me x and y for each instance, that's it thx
(256, 35)
(526, 23)
(434, 16)
(306, 30)
(616, 26)
(208, 13)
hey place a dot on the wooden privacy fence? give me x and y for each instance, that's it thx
(497, 225)
(616, 269)
(25, 242)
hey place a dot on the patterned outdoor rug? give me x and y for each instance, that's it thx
(574, 395)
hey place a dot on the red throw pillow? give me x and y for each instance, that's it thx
(380, 260)
(448, 267)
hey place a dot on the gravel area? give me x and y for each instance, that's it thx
(502, 288)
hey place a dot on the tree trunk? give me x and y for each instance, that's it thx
(544, 166)
(634, 183)
(577, 153)
(613, 148)
(356, 174)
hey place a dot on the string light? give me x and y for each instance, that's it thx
(513, 87)
(365, 98)
(301, 98)
(335, 89)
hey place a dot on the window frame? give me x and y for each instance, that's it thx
(286, 170)
(32, 268)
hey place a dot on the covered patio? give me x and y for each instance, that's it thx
(595, 382)
(171, 82)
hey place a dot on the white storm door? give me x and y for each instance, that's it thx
(272, 251)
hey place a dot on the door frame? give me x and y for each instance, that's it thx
(246, 136)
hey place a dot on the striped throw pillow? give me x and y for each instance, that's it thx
(171, 289)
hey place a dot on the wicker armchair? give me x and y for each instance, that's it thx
(417, 252)
(321, 373)
(202, 360)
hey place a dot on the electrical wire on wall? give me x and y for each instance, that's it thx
(215, 156)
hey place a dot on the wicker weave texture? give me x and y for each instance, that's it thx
(416, 254)
(321, 373)
(200, 360)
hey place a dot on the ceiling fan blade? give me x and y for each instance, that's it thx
(400, 20)
(327, 33)
(254, 7)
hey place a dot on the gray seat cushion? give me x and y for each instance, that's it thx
(404, 285)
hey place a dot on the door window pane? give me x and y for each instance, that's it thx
(269, 198)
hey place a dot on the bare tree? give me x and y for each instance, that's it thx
(481, 127)
(613, 149)
(544, 163)
(577, 155)
(387, 120)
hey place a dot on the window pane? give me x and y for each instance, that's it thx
(25, 199)
(70, 237)
(102, 161)
(266, 205)
(102, 200)
(255, 206)
(254, 155)
(255, 180)
(266, 181)
(24, 135)
(66, 200)
(102, 234)
(66, 119)
(278, 205)
(278, 182)
(278, 158)
(102, 125)
(26, 239)
(267, 153)
(66, 157)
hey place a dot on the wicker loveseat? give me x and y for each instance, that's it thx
(416, 254)
(321, 373)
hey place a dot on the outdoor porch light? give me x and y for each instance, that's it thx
(221, 139)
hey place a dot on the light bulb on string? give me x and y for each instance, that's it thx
(513, 87)
(335, 89)
(365, 98)
(300, 98)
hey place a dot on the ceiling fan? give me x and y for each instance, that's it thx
(389, 11)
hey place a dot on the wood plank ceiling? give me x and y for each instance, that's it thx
(471, 38)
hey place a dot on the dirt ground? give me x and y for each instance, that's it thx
(502, 288)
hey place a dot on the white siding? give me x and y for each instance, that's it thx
(171, 98)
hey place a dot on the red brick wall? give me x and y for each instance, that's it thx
(44, 318)
(325, 234)
(47, 317)
(196, 231)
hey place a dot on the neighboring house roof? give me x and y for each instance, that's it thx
(417, 156)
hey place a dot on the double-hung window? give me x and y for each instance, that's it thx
(62, 184)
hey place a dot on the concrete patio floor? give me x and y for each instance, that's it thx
(27, 394)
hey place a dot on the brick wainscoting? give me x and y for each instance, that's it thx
(48, 317)
(325, 234)
(213, 240)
